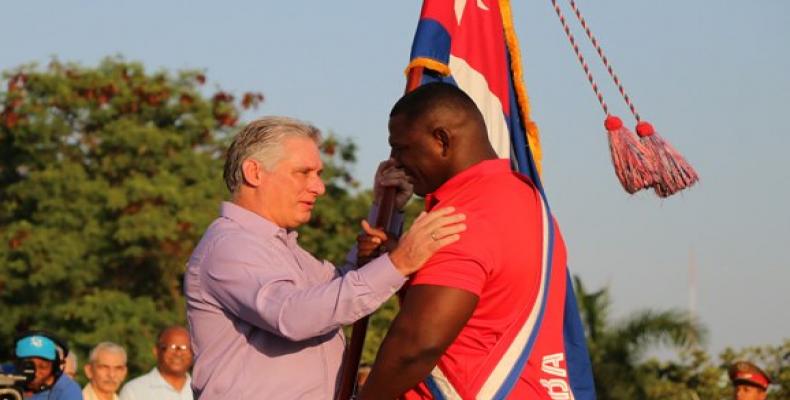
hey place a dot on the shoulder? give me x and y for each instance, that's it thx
(67, 389)
(136, 383)
(235, 245)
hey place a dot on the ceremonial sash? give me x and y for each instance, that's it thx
(503, 375)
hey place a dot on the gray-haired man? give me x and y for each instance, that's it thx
(106, 371)
(258, 303)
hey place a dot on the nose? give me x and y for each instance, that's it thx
(317, 185)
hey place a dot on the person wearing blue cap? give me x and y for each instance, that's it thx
(45, 354)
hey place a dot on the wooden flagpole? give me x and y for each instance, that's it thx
(348, 379)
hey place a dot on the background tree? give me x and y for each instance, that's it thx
(617, 349)
(108, 176)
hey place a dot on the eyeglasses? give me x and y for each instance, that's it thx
(174, 347)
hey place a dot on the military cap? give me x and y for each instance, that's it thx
(744, 372)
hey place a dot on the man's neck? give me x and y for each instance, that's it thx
(176, 381)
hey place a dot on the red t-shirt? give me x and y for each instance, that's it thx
(499, 258)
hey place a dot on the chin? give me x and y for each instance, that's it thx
(301, 220)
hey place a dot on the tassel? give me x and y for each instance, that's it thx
(632, 163)
(672, 172)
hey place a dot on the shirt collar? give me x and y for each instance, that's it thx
(457, 182)
(91, 394)
(254, 223)
(160, 380)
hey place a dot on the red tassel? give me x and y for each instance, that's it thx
(632, 164)
(672, 172)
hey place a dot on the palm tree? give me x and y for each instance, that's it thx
(616, 349)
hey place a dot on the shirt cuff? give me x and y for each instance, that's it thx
(380, 274)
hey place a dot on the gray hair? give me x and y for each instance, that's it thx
(262, 140)
(109, 347)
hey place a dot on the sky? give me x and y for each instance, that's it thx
(710, 75)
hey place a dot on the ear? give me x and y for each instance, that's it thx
(252, 171)
(442, 140)
(88, 371)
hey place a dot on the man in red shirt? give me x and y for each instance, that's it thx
(484, 317)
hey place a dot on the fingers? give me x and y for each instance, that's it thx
(447, 230)
(439, 217)
(429, 232)
(378, 235)
(444, 241)
(383, 167)
(393, 177)
(388, 163)
(370, 242)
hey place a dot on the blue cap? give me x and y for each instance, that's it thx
(36, 346)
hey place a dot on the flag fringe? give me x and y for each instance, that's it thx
(428, 63)
(522, 97)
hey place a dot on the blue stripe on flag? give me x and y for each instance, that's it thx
(519, 146)
(432, 41)
(580, 375)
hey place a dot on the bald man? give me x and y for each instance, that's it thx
(170, 379)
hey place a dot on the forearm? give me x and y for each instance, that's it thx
(400, 365)
(317, 310)
(430, 319)
(277, 300)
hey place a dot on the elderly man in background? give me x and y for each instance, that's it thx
(169, 380)
(106, 371)
(265, 315)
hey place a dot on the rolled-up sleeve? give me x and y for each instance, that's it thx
(266, 287)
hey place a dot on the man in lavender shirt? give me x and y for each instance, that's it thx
(265, 315)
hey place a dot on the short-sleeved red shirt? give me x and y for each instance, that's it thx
(499, 259)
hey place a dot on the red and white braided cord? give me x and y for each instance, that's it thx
(580, 57)
(603, 58)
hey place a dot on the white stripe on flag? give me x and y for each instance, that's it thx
(475, 85)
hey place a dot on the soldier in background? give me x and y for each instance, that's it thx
(749, 381)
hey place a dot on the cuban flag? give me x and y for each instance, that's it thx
(472, 44)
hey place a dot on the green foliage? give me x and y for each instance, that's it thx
(109, 175)
(616, 349)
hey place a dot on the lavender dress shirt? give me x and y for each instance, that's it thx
(265, 315)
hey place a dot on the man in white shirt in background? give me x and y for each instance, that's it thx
(169, 379)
